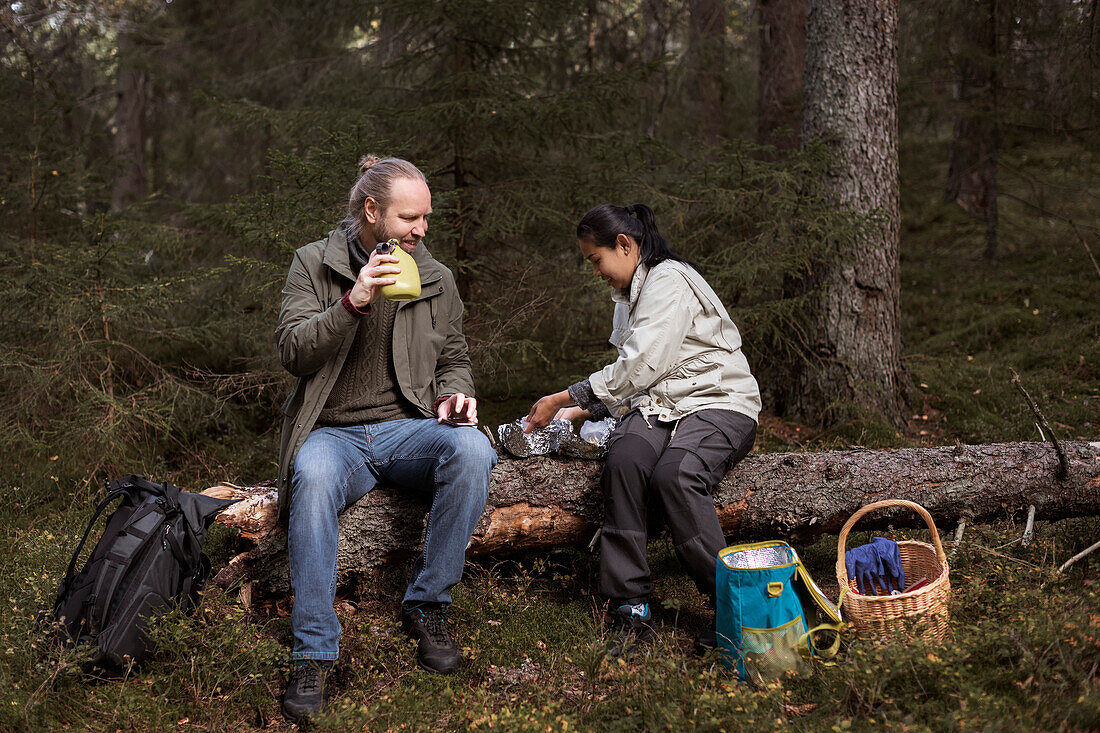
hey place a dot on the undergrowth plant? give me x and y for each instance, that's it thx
(1022, 653)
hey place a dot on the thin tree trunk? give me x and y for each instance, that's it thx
(991, 212)
(391, 28)
(1089, 48)
(782, 57)
(655, 22)
(972, 168)
(590, 18)
(851, 103)
(130, 127)
(156, 138)
(654, 28)
(706, 65)
(462, 250)
(540, 504)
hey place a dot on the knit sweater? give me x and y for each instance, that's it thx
(366, 390)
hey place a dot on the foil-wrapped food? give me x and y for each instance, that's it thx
(557, 437)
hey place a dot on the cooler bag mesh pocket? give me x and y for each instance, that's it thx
(771, 652)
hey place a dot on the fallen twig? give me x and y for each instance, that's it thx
(991, 551)
(1071, 561)
(1078, 556)
(1063, 462)
(958, 540)
(1029, 528)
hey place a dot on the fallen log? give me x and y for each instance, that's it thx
(544, 503)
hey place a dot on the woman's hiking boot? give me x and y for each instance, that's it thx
(707, 639)
(630, 626)
(307, 690)
(435, 649)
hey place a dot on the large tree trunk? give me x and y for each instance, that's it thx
(972, 170)
(782, 56)
(851, 102)
(545, 503)
(706, 65)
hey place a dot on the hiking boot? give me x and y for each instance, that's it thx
(707, 638)
(630, 627)
(435, 649)
(308, 689)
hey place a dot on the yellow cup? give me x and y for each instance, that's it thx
(407, 286)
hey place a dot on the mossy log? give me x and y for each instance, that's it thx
(545, 503)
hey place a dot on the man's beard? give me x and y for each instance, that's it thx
(382, 234)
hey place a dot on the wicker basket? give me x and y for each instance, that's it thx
(886, 615)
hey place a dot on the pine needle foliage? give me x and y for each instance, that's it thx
(119, 353)
(163, 357)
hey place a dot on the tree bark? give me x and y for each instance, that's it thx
(851, 103)
(540, 504)
(655, 26)
(130, 126)
(656, 20)
(462, 226)
(782, 56)
(706, 66)
(392, 28)
(972, 169)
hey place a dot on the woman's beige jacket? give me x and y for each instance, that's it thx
(679, 351)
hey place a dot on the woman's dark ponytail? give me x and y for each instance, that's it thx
(605, 222)
(654, 246)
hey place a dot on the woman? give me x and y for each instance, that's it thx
(690, 407)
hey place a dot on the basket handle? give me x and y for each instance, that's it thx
(842, 539)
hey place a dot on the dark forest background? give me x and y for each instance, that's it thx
(892, 245)
(162, 160)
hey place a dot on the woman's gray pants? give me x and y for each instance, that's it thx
(650, 469)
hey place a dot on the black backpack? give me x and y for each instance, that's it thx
(148, 560)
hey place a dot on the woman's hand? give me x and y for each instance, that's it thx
(572, 414)
(543, 411)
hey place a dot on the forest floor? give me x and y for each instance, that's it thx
(1020, 655)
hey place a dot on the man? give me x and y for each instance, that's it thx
(379, 385)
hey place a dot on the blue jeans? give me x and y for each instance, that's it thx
(336, 467)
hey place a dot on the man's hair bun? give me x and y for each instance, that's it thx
(366, 163)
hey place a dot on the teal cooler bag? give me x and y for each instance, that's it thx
(763, 592)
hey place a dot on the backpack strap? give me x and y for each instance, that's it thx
(115, 494)
(170, 492)
(186, 561)
(100, 599)
(134, 479)
(115, 568)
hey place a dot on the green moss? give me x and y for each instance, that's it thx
(1019, 656)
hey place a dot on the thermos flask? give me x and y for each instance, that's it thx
(407, 286)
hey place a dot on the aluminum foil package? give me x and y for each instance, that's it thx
(536, 443)
(572, 445)
(598, 431)
(557, 437)
(761, 557)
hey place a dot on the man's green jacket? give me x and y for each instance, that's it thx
(315, 333)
